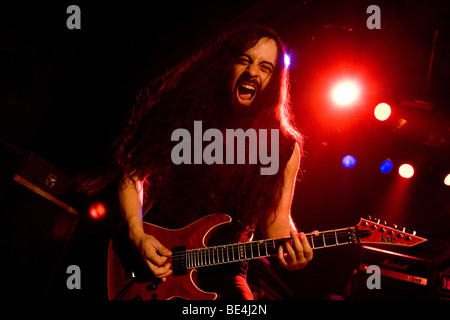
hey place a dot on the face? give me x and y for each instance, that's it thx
(252, 72)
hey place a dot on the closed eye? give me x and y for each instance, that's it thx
(243, 60)
(266, 68)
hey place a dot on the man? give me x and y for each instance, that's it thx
(238, 81)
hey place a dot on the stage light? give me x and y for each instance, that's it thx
(287, 60)
(382, 111)
(386, 166)
(349, 161)
(406, 171)
(401, 125)
(345, 93)
(447, 180)
(97, 210)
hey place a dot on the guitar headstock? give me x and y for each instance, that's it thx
(377, 231)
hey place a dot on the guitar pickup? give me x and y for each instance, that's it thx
(179, 267)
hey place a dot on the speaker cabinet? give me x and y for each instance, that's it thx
(401, 277)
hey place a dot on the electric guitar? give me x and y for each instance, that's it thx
(130, 279)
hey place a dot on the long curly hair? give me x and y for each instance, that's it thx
(198, 89)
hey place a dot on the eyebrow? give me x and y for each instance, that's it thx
(262, 62)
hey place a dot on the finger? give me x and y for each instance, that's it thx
(281, 258)
(152, 256)
(156, 262)
(298, 247)
(166, 274)
(160, 272)
(162, 250)
(307, 250)
(293, 254)
(154, 252)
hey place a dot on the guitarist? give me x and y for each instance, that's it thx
(239, 80)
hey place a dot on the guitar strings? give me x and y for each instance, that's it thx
(237, 247)
(254, 244)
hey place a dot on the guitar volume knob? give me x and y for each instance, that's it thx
(152, 286)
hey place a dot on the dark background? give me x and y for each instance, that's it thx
(65, 95)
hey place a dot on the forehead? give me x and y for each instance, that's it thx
(265, 50)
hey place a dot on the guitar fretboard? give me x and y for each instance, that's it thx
(209, 256)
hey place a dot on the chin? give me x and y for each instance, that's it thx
(240, 106)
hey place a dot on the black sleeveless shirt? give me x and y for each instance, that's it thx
(192, 191)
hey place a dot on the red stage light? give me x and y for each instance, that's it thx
(97, 210)
(406, 171)
(345, 93)
(382, 111)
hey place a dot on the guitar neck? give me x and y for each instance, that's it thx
(229, 253)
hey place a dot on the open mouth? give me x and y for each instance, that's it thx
(246, 92)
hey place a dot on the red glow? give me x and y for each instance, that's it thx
(97, 210)
(406, 171)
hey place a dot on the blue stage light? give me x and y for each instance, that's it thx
(386, 166)
(287, 60)
(349, 161)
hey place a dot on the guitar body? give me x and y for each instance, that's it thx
(130, 279)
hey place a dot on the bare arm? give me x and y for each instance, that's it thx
(280, 224)
(131, 201)
(152, 251)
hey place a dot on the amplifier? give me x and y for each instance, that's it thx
(401, 276)
(444, 286)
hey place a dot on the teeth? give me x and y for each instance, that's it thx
(249, 87)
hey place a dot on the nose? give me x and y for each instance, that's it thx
(253, 69)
